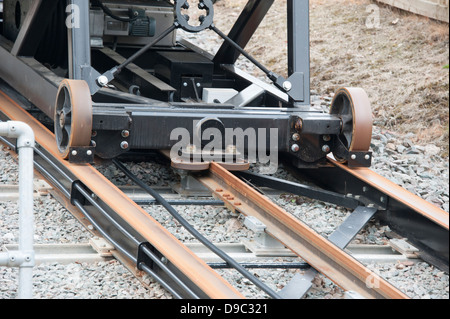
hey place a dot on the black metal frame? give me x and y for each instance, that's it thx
(431, 238)
(258, 105)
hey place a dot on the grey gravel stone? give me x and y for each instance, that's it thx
(417, 168)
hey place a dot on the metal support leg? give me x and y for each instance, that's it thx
(79, 41)
(299, 52)
(24, 257)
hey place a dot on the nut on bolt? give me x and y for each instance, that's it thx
(326, 149)
(125, 133)
(102, 80)
(296, 137)
(124, 145)
(287, 86)
(295, 148)
(299, 125)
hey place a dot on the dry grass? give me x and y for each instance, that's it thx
(401, 65)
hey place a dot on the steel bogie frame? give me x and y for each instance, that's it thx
(157, 89)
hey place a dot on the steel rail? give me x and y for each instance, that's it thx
(416, 203)
(425, 225)
(196, 233)
(321, 254)
(117, 246)
(206, 282)
(325, 257)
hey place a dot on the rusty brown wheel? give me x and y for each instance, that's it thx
(73, 116)
(353, 107)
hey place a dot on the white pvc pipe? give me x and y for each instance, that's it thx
(24, 258)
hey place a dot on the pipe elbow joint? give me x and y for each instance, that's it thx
(23, 133)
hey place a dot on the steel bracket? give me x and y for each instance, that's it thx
(81, 155)
(359, 159)
(142, 257)
(75, 194)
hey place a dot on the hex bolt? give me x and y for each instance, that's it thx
(287, 86)
(102, 80)
(124, 145)
(296, 137)
(326, 138)
(299, 125)
(125, 133)
(326, 149)
(295, 148)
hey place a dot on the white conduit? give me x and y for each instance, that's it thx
(24, 257)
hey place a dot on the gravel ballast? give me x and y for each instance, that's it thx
(109, 279)
(418, 168)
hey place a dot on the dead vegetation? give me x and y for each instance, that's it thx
(402, 64)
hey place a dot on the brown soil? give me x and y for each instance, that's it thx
(401, 64)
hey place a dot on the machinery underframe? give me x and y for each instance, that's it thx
(138, 87)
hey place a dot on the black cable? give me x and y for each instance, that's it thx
(233, 263)
(107, 11)
(263, 265)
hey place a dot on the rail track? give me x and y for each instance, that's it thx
(144, 245)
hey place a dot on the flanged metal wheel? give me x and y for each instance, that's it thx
(73, 116)
(353, 107)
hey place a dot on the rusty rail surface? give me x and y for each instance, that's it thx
(425, 225)
(393, 190)
(196, 270)
(321, 254)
